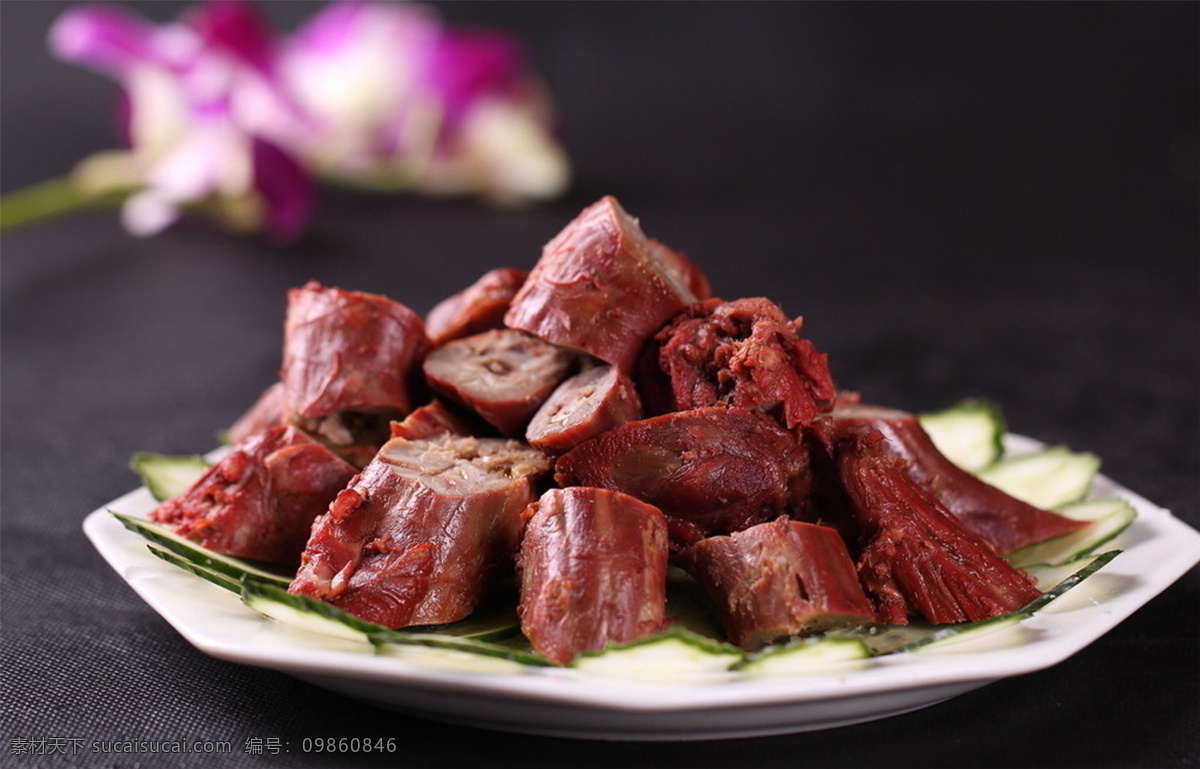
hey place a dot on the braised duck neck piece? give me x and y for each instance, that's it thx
(478, 307)
(778, 579)
(712, 470)
(423, 532)
(1003, 521)
(743, 353)
(601, 287)
(917, 558)
(259, 501)
(593, 571)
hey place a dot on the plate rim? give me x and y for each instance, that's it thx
(126, 553)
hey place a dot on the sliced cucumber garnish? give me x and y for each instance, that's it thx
(885, 639)
(822, 654)
(1079, 569)
(215, 577)
(490, 623)
(304, 612)
(970, 434)
(448, 651)
(951, 637)
(674, 654)
(1109, 517)
(201, 556)
(1048, 478)
(167, 476)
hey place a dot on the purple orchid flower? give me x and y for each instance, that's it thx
(203, 114)
(400, 100)
(221, 115)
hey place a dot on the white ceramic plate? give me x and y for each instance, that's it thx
(1158, 549)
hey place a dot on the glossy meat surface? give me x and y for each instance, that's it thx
(424, 531)
(1005, 522)
(428, 421)
(778, 579)
(917, 558)
(600, 287)
(593, 571)
(259, 501)
(348, 351)
(683, 269)
(587, 404)
(743, 353)
(712, 470)
(502, 375)
(266, 412)
(477, 308)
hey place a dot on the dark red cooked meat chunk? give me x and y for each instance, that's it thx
(712, 471)
(428, 421)
(1003, 521)
(260, 500)
(503, 375)
(347, 360)
(593, 571)
(682, 268)
(779, 579)
(917, 558)
(422, 534)
(477, 308)
(743, 353)
(587, 404)
(266, 412)
(600, 287)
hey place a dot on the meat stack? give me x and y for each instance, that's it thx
(583, 427)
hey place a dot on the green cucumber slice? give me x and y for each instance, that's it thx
(970, 433)
(201, 556)
(674, 654)
(821, 654)
(167, 476)
(215, 577)
(689, 608)
(952, 637)
(304, 612)
(1080, 569)
(1048, 478)
(490, 623)
(885, 639)
(454, 652)
(1109, 517)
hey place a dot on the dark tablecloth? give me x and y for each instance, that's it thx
(992, 200)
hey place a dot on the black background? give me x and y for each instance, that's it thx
(961, 199)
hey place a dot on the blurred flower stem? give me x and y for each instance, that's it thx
(48, 199)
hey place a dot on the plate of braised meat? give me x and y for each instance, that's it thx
(595, 499)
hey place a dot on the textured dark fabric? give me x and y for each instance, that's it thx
(962, 199)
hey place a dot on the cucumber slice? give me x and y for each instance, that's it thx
(215, 577)
(970, 434)
(1080, 570)
(952, 637)
(1048, 478)
(167, 476)
(689, 608)
(1109, 517)
(892, 639)
(821, 654)
(1048, 576)
(448, 651)
(201, 556)
(304, 612)
(491, 623)
(674, 654)
(885, 639)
